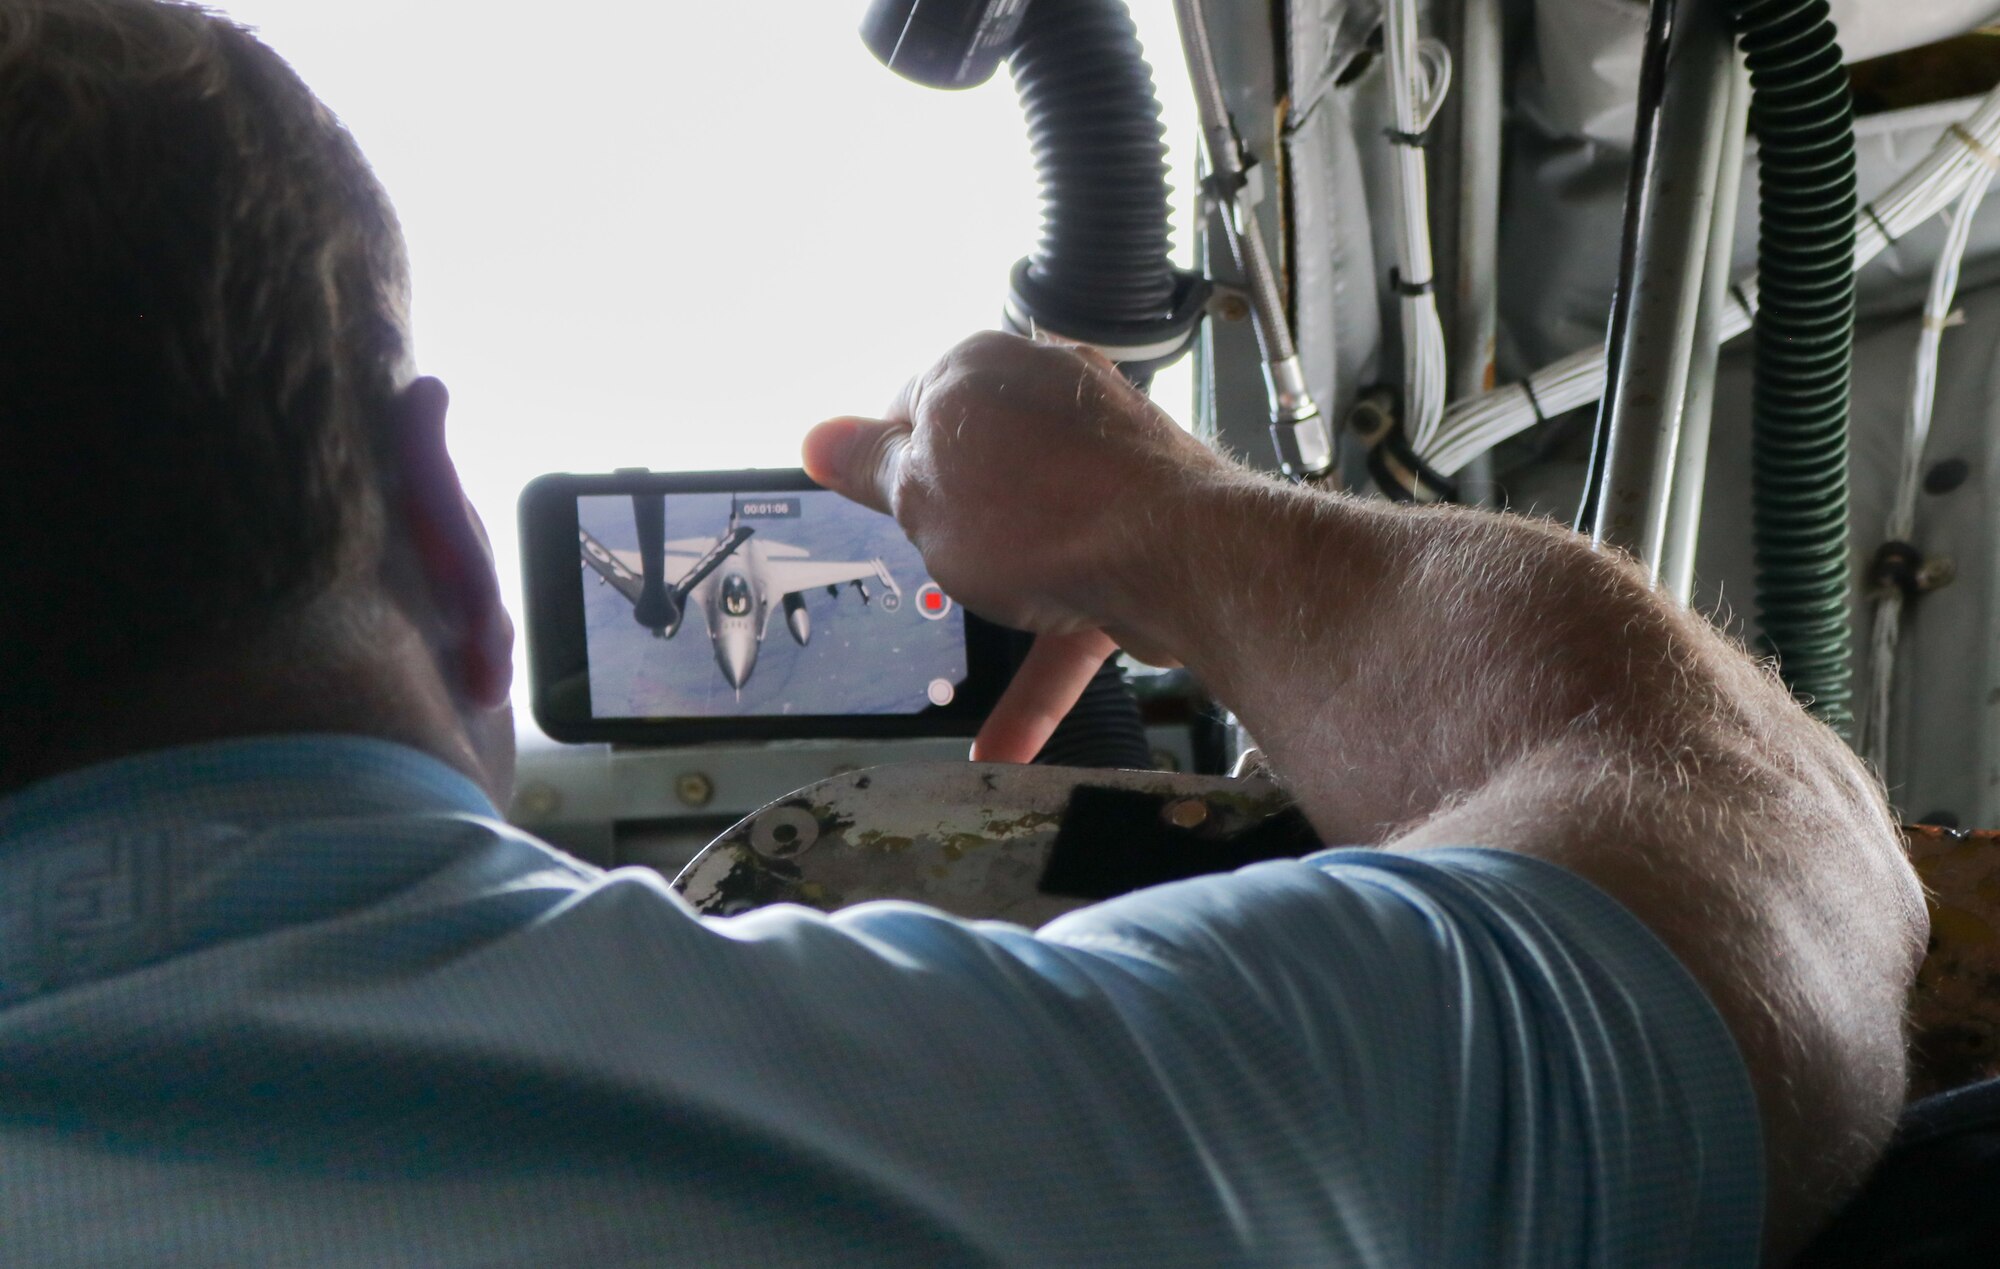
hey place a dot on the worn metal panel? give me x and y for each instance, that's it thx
(1955, 1007)
(968, 839)
(657, 807)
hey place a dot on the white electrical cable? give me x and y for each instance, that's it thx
(1902, 522)
(1967, 151)
(1419, 75)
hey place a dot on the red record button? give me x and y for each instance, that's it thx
(932, 602)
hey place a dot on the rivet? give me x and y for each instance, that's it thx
(537, 802)
(694, 788)
(1936, 572)
(1186, 813)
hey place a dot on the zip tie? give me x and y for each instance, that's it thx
(1399, 473)
(1528, 386)
(1409, 290)
(1742, 298)
(1897, 569)
(1416, 140)
(1979, 148)
(1875, 218)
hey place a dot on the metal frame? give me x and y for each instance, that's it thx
(614, 805)
(1303, 444)
(1230, 392)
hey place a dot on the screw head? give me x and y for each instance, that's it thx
(1936, 572)
(537, 802)
(1230, 308)
(1186, 813)
(694, 788)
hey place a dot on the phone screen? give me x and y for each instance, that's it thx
(759, 604)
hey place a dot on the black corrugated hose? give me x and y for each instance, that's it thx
(1103, 264)
(1104, 261)
(1801, 112)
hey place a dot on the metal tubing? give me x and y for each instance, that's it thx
(1691, 454)
(1638, 184)
(1304, 446)
(1473, 300)
(1660, 292)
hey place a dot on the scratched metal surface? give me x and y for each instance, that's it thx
(968, 838)
(1955, 1009)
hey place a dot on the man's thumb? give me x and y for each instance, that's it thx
(858, 457)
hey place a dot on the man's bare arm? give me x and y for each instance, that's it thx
(1452, 678)
(1448, 677)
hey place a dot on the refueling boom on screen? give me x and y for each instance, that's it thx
(736, 580)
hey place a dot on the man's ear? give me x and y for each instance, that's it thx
(473, 634)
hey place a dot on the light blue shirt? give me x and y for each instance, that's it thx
(306, 1001)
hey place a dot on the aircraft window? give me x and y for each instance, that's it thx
(735, 596)
(677, 235)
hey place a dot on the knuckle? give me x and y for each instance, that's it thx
(918, 393)
(988, 343)
(936, 388)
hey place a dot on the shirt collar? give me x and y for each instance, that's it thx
(114, 866)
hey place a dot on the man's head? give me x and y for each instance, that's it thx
(216, 468)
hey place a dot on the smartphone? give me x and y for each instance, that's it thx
(677, 607)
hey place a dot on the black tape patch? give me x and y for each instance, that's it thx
(1113, 841)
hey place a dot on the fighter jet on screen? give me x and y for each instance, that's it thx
(736, 580)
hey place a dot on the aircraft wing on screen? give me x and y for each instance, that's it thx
(613, 566)
(621, 568)
(787, 576)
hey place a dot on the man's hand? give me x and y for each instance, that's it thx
(1029, 475)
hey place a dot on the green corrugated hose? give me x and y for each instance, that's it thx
(1801, 112)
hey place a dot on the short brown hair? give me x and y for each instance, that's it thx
(202, 297)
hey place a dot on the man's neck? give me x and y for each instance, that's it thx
(385, 686)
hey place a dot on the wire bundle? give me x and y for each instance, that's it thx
(1967, 151)
(1419, 76)
(1887, 625)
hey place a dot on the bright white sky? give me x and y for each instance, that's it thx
(676, 235)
